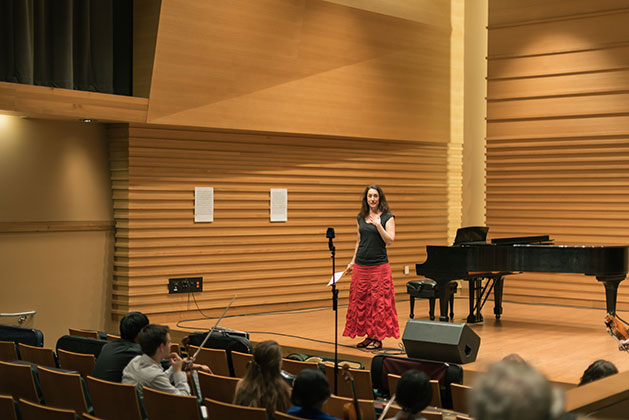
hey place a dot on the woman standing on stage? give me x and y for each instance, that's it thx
(371, 310)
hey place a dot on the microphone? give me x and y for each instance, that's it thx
(330, 235)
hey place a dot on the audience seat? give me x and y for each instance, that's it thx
(459, 397)
(34, 411)
(219, 410)
(334, 406)
(39, 355)
(114, 401)
(83, 333)
(86, 416)
(166, 406)
(18, 380)
(362, 383)
(8, 351)
(436, 392)
(295, 366)
(112, 337)
(63, 390)
(82, 363)
(240, 363)
(283, 416)
(7, 408)
(219, 388)
(432, 415)
(216, 359)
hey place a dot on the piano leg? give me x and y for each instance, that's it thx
(611, 290)
(444, 300)
(475, 296)
(412, 314)
(498, 284)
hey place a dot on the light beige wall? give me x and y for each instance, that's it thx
(56, 237)
(475, 112)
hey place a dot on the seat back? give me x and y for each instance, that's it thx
(7, 408)
(219, 388)
(86, 416)
(335, 407)
(112, 337)
(283, 416)
(39, 355)
(8, 352)
(83, 345)
(432, 415)
(82, 363)
(18, 380)
(62, 390)
(33, 411)
(17, 334)
(295, 366)
(240, 362)
(216, 359)
(459, 397)
(362, 383)
(83, 333)
(166, 406)
(436, 392)
(114, 401)
(219, 410)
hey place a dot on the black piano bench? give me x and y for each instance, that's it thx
(428, 289)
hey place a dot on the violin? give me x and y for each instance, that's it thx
(616, 330)
(351, 411)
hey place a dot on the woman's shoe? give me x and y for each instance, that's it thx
(374, 345)
(367, 341)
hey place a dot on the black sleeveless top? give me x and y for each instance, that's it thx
(371, 248)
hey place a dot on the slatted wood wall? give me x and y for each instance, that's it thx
(558, 133)
(270, 266)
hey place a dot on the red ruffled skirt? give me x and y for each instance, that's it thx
(371, 310)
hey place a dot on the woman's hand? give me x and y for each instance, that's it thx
(350, 267)
(373, 220)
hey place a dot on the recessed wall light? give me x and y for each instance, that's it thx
(87, 120)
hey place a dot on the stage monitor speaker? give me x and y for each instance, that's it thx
(441, 341)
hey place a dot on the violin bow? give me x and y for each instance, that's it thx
(193, 358)
(386, 407)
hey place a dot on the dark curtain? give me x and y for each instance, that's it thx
(71, 44)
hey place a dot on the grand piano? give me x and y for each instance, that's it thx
(473, 259)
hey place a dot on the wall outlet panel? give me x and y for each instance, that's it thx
(185, 285)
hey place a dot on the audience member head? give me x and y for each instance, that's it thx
(597, 370)
(263, 385)
(310, 389)
(514, 391)
(413, 392)
(514, 358)
(131, 325)
(152, 337)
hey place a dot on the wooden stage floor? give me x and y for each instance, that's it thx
(561, 341)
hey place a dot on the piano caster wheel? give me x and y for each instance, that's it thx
(497, 316)
(411, 316)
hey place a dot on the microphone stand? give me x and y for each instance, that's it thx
(335, 308)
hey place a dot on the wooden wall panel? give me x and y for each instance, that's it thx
(268, 265)
(558, 134)
(307, 66)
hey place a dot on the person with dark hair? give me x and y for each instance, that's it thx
(413, 393)
(263, 385)
(371, 311)
(310, 391)
(116, 354)
(597, 370)
(146, 369)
